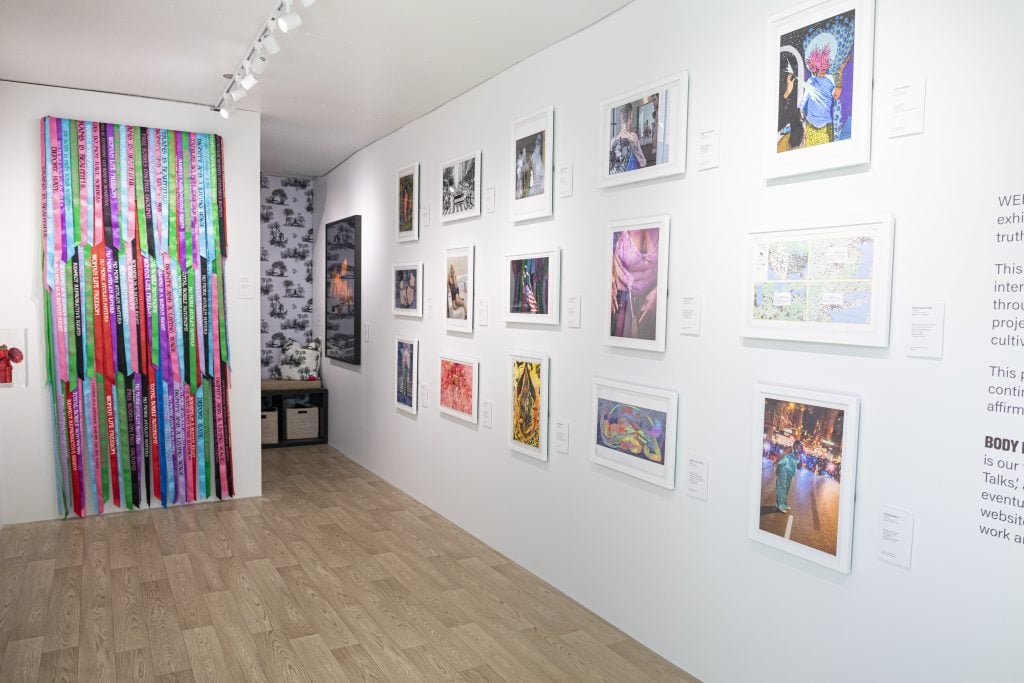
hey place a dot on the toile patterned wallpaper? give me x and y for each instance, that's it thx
(286, 264)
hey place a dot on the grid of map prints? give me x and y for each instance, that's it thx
(814, 280)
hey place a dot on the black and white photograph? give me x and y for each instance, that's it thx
(460, 187)
(533, 165)
(643, 132)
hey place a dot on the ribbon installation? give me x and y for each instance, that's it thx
(134, 240)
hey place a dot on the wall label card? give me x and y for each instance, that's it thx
(562, 435)
(708, 154)
(927, 329)
(895, 536)
(697, 477)
(424, 392)
(573, 309)
(489, 199)
(565, 180)
(486, 411)
(246, 290)
(906, 111)
(690, 310)
(481, 311)
(425, 215)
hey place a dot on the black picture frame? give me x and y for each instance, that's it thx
(342, 302)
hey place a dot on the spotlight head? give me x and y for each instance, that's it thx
(248, 81)
(237, 92)
(225, 111)
(259, 63)
(270, 44)
(289, 22)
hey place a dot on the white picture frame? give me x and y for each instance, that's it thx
(626, 150)
(528, 373)
(821, 31)
(402, 289)
(407, 374)
(533, 294)
(628, 262)
(533, 158)
(460, 190)
(462, 260)
(451, 399)
(842, 294)
(407, 179)
(631, 417)
(823, 461)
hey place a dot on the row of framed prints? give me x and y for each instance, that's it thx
(458, 392)
(803, 461)
(636, 269)
(827, 281)
(818, 89)
(642, 136)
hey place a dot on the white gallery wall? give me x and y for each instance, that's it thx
(675, 572)
(27, 481)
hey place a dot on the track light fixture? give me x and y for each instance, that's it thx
(237, 92)
(248, 81)
(257, 56)
(270, 44)
(258, 63)
(289, 21)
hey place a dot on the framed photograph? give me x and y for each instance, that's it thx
(531, 283)
(804, 473)
(818, 87)
(460, 187)
(458, 384)
(642, 133)
(528, 411)
(408, 226)
(458, 288)
(827, 282)
(635, 430)
(533, 169)
(343, 251)
(407, 290)
(407, 374)
(637, 267)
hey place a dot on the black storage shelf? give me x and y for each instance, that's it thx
(274, 399)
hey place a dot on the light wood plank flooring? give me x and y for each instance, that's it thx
(333, 575)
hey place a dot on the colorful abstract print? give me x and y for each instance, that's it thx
(457, 386)
(632, 430)
(134, 236)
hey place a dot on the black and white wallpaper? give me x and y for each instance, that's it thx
(286, 264)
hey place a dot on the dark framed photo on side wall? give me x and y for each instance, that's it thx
(342, 320)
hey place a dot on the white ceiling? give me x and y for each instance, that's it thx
(355, 70)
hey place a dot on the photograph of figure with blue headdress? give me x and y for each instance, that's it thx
(816, 71)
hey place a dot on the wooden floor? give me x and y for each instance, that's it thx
(332, 575)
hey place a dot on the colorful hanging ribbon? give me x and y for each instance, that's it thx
(134, 242)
